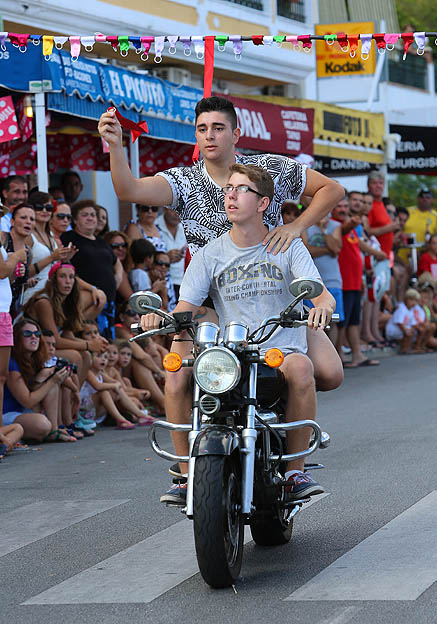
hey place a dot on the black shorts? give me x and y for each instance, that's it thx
(352, 308)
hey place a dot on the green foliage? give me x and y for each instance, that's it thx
(403, 188)
(419, 13)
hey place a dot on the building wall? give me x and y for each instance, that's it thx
(184, 17)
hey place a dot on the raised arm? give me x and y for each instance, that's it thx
(152, 191)
(325, 193)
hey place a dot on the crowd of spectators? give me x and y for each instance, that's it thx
(380, 263)
(67, 364)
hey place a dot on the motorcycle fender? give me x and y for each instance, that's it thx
(217, 440)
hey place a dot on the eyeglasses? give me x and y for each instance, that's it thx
(41, 207)
(164, 264)
(63, 215)
(241, 188)
(117, 245)
(131, 313)
(27, 333)
(149, 208)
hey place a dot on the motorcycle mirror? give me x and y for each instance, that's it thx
(301, 284)
(145, 302)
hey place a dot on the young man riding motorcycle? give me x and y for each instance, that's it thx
(245, 282)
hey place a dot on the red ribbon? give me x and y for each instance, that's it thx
(113, 40)
(258, 39)
(408, 40)
(353, 42)
(306, 41)
(18, 39)
(342, 39)
(136, 129)
(380, 41)
(207, 78)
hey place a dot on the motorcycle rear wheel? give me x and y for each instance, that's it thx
(218, 523)
(270, 531)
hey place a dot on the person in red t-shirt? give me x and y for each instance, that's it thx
(351, 268)
(428, 260)
(380, 223)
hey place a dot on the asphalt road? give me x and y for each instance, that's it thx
(84, 539)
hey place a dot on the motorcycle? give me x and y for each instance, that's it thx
(237, 435)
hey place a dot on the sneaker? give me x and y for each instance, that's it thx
(301, 485)
(176, 495)
(175, 470)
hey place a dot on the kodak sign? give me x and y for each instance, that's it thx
(332, 61)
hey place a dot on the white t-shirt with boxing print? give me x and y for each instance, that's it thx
(247, 284)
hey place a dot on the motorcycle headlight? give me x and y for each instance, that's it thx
(217, 370)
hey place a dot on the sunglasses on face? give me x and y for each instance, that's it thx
(241, 188)
(117, 245)
(131, 313)
(164, 264)
(41, 207)
(149, 208)
(63, 215)
(27, 333)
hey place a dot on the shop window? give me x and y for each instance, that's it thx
(291, 9)
(251, 4)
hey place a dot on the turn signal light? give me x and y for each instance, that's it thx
(274, 358)
(172, 362)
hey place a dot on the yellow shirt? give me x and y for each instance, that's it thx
(419, 223)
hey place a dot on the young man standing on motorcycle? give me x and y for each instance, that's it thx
(195, 194)
(244, 282)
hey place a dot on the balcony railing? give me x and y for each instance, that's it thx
(291, 9)
(411, 72)
(252, 4)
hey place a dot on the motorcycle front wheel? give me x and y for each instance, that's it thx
(218, 523)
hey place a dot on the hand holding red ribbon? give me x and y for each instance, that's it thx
(136, 129)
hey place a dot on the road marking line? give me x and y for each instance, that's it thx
(343, 615)
(397, 562)
(33, 522)
(139, 574)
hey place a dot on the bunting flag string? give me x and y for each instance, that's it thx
(141, 45)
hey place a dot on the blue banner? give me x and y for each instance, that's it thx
(23, 71)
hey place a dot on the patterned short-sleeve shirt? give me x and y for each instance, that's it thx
(199, 201)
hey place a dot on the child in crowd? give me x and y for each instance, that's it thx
(125, 358)
(150, 353)
(108, 396)
(135, 394)
(426, 297)
(401, 325)
(142, 252)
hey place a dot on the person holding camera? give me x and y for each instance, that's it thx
(32, 392)
(70, 395)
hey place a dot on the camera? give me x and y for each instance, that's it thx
(411, 239)
(63, 363)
